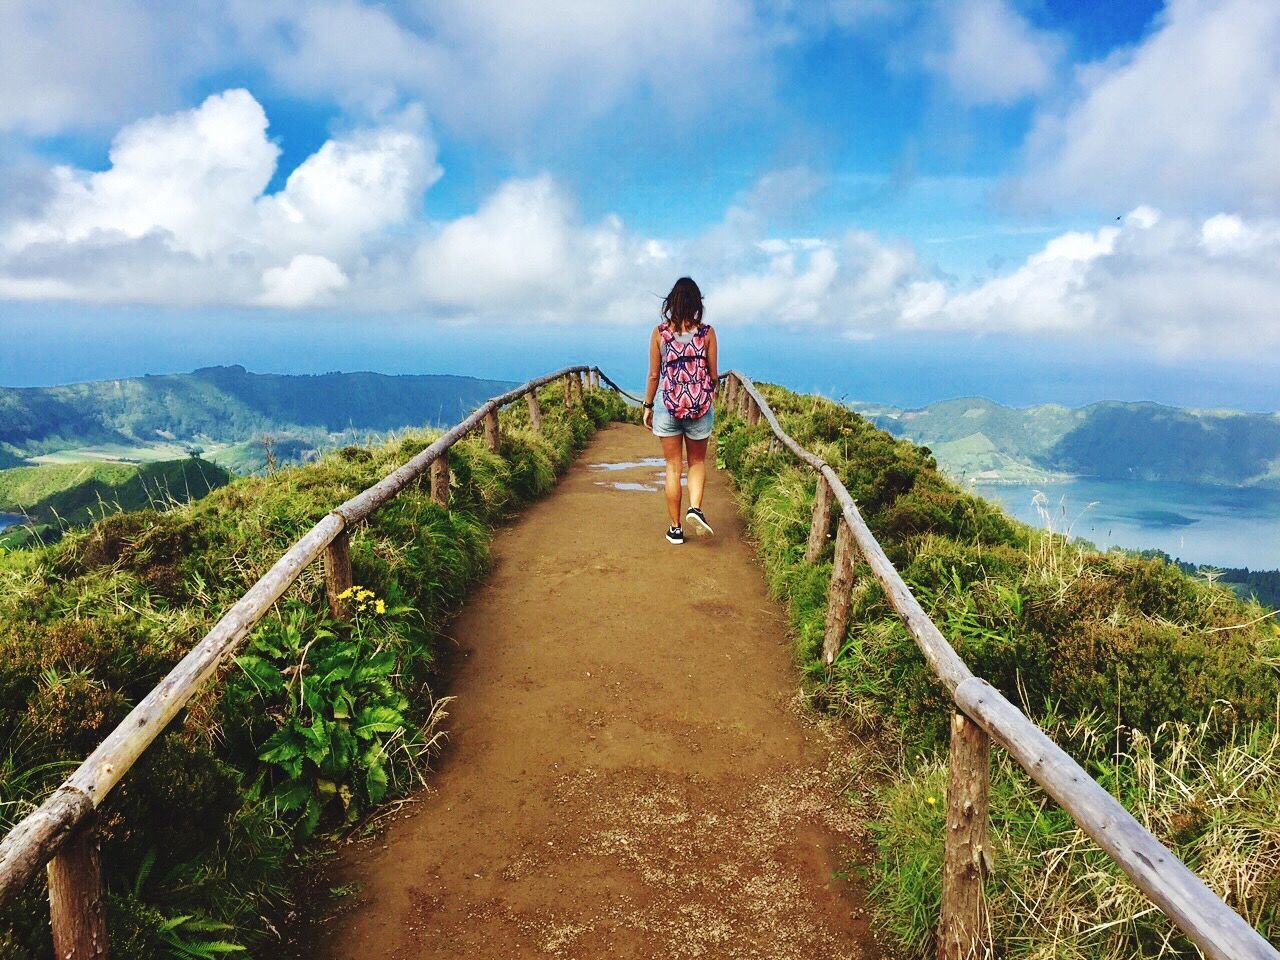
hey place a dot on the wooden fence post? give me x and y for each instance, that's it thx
(753, 412)
(76, 910)
(492, 438)
(839, 594)
(440, 479)
(337, 575)
(821, 521)
(535, 410)
(568, 391)
(964, 863)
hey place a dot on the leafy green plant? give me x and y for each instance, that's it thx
(339, 711)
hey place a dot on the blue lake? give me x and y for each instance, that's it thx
(1221, 526)
(10, 520)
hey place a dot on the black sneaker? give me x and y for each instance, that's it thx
(700, 524)
(675, 535)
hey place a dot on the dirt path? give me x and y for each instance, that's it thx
(627, 773)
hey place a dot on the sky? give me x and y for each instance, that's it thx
(886, 200)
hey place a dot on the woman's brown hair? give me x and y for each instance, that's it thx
(682, 307)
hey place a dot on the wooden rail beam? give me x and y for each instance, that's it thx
(77, 913)
(821, 521)
(337, 575)
(39, 836)
(965, 859)
(839, 595)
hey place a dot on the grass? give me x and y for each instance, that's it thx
(313, 725)
(57, 498)
(1164, 686)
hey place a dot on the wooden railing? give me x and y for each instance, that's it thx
(60, 832)
(981, 713)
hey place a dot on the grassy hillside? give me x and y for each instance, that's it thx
(1164, 686)
(75, 494)
(228, 405)
(313, 725)
(979, 439)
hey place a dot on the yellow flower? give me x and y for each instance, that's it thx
(931, 801)
(380, 607)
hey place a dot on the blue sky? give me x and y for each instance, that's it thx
(1027, 199)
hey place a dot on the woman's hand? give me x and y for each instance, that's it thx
(647, 419)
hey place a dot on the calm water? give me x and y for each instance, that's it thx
(1222, 526)
(10, 520)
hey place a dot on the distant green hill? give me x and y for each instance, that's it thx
(157, 417)
(58, 496)
(974, 438)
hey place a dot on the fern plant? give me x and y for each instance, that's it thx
(340, 718)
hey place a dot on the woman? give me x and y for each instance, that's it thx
(682, 379)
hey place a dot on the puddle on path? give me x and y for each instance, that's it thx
(652, 486)
(627, 485)
(629, 464)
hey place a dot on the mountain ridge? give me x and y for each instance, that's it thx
(977, 439)
(162, 416)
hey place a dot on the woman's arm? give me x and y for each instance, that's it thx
(713, 356)
(655, 371)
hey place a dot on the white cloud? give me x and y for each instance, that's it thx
(1175, 285)
(990, 53)
(350, 189)
(193, 175)
(67, 64)
(497, 66)
(1189, 119)
(307, 279)
(526, 254)
(180, 215)
(494, 67)
(855, 283)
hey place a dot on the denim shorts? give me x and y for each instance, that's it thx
(665, 425)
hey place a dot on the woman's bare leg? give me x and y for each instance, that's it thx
(672, 453)
(697, 470)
